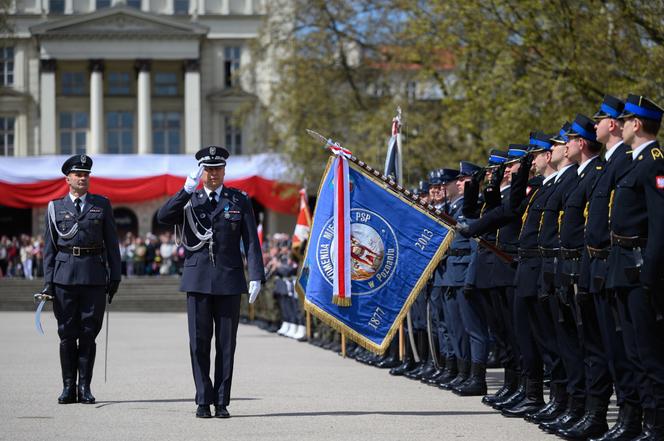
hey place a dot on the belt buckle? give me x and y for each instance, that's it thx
(76, 251)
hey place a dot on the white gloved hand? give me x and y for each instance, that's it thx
(254, 289)
(192, 180)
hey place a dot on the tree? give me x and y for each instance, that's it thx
(502, 68)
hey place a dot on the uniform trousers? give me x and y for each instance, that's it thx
(79, 310)
(643, 334)
(208, 314)
(475, 325)
(458, 336)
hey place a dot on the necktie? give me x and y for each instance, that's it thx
(77, 202)
(213, 199)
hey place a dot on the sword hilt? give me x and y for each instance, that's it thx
(42, 296)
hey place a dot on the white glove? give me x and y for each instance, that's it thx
(254, 289)
(194, 177)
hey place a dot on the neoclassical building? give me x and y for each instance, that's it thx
(131, 77)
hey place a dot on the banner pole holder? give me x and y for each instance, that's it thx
(402, 342)
(307, 315)
(343, 345)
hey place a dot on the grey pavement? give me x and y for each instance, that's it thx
(282, 390)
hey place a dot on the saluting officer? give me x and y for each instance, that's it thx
(636, 259)
(215, 220)
(81, 265)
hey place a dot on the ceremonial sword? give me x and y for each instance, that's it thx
(42, 298)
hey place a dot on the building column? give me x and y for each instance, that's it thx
(249, 7)
(144, 107)
(96, 140)
(225, 7)
(69, 7)
(47, 107)
(192, 106)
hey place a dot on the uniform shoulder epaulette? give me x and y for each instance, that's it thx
(656, 153)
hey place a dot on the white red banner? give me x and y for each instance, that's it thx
(33, 181)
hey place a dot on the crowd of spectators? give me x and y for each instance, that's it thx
(21, 257)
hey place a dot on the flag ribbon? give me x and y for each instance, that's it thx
(341, 244)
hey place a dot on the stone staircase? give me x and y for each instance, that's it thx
(137, 294)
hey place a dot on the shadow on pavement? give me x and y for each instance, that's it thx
(168, 400)
(376, 412)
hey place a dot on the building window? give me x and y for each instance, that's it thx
(118, 83)
(6, 136)
(411, 90)
(166, 132)
(134, 4)
(73, 83)
(231, 65)
(181, 7)
(120, 132)
(165, 83)
(6, 66)
(73, 132)
(101, 4)
(56, 6)
(233, 136)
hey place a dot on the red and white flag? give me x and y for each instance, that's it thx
(303, 225)
(259, 230)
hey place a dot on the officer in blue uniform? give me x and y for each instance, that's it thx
(594, 270)
(636, 259)
(532, 319)
(215, 221)
(466, 322)
(81, 265)
(584, 149)
(498, 278)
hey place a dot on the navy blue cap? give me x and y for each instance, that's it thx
(434, 178)
(468, 168)
(76, 163)
(423, 186)
(212, 156)
(415, 190)
(497, 157)
(448, 175)
(516, 151)
(583, 127)
(639, 106)
(540, 141)
(561, 137)
(611, 107)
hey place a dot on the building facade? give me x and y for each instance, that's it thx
(131, 77)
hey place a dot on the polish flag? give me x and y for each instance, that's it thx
(303, 222)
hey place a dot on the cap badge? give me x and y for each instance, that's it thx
(84, 159)
(213, 150)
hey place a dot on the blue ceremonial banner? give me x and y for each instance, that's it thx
(395, 246)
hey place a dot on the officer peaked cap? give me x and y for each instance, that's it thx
(611, 107)
(583, 127)
(81, 163)
(638, 106)
(212, 156)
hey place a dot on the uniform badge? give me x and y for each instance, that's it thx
(656, 154)
(84, 159)
(227, 215)
(660, 182)
(202, 216)
(213, 150)
(67, 216)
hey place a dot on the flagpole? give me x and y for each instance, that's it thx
(343, 345)
(402, 343)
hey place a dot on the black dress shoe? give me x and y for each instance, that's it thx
(388, 363)
(402, 368)
(627, 427)
(68, 394)
(550, 412)
(85, 395)
(203, 411)
(221, 412)
(510, 384)
(592, 424)
(475, 386)
(510, 400)
(574, 412)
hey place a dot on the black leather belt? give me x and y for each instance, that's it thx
(459, 252)
(571, 253)
(82, 251)
(507, 248)
(529, 252)
(598, 253)
(549, 252)
(628, 241)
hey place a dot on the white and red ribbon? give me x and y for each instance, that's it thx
(342, 264)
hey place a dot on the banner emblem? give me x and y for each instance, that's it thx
(374, 251)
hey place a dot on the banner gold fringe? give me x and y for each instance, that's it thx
(341, 301)
(341, 327)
